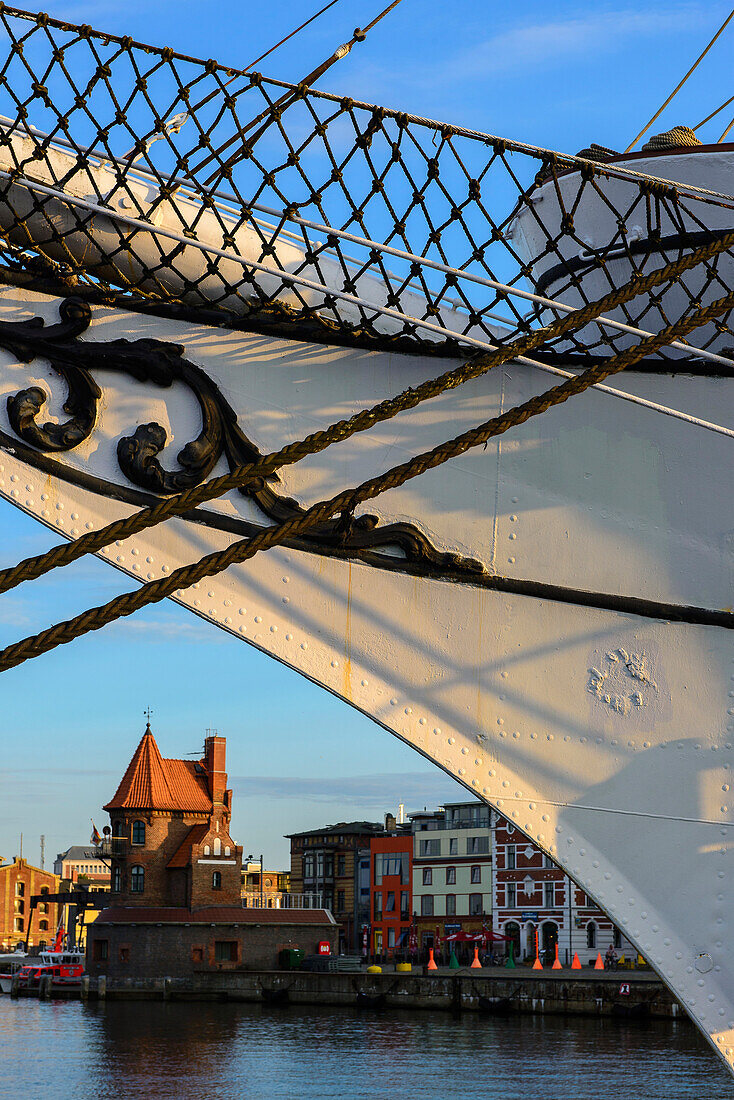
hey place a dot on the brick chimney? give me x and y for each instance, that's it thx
(215, 762)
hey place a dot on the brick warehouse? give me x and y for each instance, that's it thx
(175, 867)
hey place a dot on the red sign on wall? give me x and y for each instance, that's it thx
(324, 948)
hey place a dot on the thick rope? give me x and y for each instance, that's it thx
(345, 502)
(91, 542)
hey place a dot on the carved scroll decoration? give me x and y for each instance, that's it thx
(163, 364)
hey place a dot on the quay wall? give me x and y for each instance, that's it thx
(586, 993)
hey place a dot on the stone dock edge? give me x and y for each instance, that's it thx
(564, 993)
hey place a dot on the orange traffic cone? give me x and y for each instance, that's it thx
(599, 964)
(537, 965)
(576, 965)
(431, 960)
(556, 963)
(476, 965)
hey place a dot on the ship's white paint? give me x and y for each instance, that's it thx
(607, 738)
(596, 224)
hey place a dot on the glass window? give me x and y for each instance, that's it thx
(116, 880)
(341, 864)
(450, 876)
(340, 900)
(138, 832)
(137, 879)
(227, 850)
(391, 936)
(477, 845)
(591, 934)
(453, 846)
(404, 905)
(475, 905)
(378, 904)
(19, 889)
(43, 925)
(44, 889)
(329, 865)
(217, 847)
(617, 938)
(427, 876)
(548, 862)
(430, 847)
(427, 905)
(511, 895)
(476, 873)
(549, 895)
(390, 903)
(100, 950)
(319, 865)
(18, 925)
(511, 857)
(217, 880)
(308, 866)
(451, 905)
(225, 950)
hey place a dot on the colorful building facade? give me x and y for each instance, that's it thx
(391, 895)
(19, 882)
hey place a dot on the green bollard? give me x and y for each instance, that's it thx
(453, 962)
(510, 964)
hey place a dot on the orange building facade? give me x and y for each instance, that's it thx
(391, 906)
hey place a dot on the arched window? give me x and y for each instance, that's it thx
(227, 850)
(19, 889)
(43, 907)
(44, 889)
(217, 847)
(116, 880)
(19, 906)
(591, 934)
(43, 925)
(137, 879)
(217, 880)
(207, 850)
(138, 832)
(18, 924)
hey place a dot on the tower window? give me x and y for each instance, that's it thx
(217, 880)
(138, 832)
(137, 879)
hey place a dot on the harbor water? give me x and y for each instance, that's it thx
(206, 1051)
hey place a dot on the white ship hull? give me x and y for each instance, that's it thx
(602, 251)
(601, 728)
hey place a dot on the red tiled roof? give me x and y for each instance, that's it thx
(182, 855)
(152, 783)
(213, 914)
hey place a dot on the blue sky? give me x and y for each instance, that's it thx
(560, 75)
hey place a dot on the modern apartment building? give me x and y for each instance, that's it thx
(452, 871)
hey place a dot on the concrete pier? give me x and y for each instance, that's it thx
(495, 991)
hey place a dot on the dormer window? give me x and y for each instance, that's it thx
(138, 832)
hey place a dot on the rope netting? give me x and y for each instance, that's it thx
(142, 171)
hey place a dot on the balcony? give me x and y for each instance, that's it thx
(253, 900)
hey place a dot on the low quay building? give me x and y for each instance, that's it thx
(175, 901)
(19, 881)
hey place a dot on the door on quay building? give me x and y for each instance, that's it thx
(548, 939)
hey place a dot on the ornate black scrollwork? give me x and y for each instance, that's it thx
(163, 364)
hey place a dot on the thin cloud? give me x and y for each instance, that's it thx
(379, 792)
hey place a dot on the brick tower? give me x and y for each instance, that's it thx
(171, 844)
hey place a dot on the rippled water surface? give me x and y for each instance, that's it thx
(156, 1051)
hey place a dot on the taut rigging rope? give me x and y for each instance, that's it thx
(345, 502)
(62, 555)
